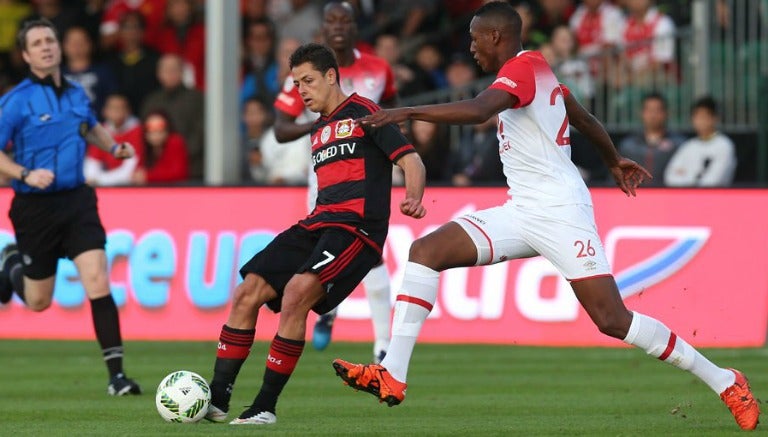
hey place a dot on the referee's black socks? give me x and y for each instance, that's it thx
(106, 323)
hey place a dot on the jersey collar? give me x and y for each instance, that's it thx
(48, 81)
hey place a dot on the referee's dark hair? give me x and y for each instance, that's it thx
(320, 56)
(21, 37)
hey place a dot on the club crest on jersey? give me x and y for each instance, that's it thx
(325, 134)
(344, 128)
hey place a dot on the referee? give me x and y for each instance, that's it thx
(49, 122)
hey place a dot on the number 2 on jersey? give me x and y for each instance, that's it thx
(561, 139)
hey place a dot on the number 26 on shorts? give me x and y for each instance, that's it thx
(585, 249)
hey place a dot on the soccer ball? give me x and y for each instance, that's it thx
(183, 396)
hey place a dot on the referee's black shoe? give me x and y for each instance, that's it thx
(119, 385)
(6, 287)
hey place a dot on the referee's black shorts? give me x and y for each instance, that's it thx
(339, 258)
(55, 225)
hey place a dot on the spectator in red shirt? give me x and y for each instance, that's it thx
(183, 35)
(165, 154)
(153, 12)
(102, 168)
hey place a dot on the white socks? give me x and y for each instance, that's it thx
(413, 305)
(376, 284)
(658, 341)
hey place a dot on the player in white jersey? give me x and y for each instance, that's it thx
(549, 214)
(372, 78)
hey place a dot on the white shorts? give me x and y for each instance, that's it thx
(565, 235)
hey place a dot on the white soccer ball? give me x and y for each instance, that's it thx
(183, 396)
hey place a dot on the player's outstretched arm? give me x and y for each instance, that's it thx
(472, 111)
(104, 141)
(627, 173)
(286, 128)
(415, 179)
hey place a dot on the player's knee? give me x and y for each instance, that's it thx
(422, 253)
(37, 304)
(613, 323)
(250, 294)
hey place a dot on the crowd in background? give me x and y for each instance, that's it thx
(142, 62)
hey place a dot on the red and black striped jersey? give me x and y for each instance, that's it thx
(354, 171)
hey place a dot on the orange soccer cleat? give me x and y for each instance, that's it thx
(373, 379)
(741, 402)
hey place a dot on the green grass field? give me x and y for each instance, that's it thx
(59, 388)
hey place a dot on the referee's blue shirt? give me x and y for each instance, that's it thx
(47, 127)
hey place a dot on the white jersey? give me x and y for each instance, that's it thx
(534, 142)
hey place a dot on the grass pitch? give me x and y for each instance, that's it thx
(59, 388)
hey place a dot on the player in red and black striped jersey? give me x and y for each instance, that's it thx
(353, 168)
(316, 264)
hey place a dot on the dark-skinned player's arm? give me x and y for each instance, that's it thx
(415, 179)
(472, 111)
(286, 128)
(627, 173)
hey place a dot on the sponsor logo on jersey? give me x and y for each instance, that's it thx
(506, 81)
(45, 117)
(325, 134)
(344, 128)
(83, 129)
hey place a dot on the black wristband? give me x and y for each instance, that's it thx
(24, 174)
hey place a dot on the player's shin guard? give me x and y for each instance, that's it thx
(106, 323)
(658, 341)
(414, 303)
(283, 356)
(376, 284)
(234, 347)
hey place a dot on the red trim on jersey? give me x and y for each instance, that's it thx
(341, 106)
(490, 243)
(347, 170)
(670, 347)
(367, 103)
(397, 152)
(356, 206)
(346, 227)
(415, 300)
(602, 275)
(566, 90)
(342, 261)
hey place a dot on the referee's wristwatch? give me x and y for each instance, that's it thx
(24, 174)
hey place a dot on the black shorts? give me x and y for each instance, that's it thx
(338, 257)
(50, 226)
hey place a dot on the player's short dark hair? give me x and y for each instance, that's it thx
(707, 103)
(21, 37)
(320, 56)
(655, 96)
(504, 11)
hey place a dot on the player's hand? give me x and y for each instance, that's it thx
(39, 178)
(384, 117)
(629, 175)
(124, 151)
(412, 208)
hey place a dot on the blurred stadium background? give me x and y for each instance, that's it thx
(692, 256)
